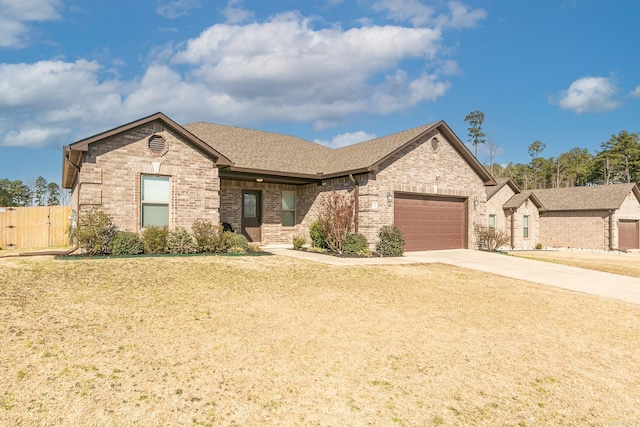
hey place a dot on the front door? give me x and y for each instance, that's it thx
(252, 215)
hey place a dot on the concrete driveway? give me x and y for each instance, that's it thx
(623, 288)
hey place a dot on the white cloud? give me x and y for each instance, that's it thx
(281, 69)
(636, 92)
(418, 14)
(235, 13)
(348, 138)
(176, 8)
(16, 16)
(589, 95)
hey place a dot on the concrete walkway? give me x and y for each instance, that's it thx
(623, 288)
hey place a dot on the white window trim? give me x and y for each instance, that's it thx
(155, 202)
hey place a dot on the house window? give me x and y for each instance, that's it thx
(288, 209)
(492, 221)
(154, 200)
(525, 226)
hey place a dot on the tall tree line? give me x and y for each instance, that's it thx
(40, 193)
(617, 161)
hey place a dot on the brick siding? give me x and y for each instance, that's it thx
(112, 169)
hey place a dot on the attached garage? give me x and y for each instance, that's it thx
(431, 223)
(628, 235)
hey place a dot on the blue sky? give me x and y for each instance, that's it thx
(566, 72)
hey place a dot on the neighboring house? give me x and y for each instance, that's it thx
(575, 217)
(601, 217)
(515, 212)
(270, 186)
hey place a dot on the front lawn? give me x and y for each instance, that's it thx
(627, 264)
(277, 341)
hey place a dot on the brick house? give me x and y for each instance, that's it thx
(269, 186)
(515, 212)
(604, 217)
(601, 217)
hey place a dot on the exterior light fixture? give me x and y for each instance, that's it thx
(475, 202)
(259, 179)
(389, 199)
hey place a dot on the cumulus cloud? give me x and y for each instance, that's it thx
(589, 95)
(16, 16)
(636, 92)
(279, 69)
(39, 101)
(348, 138)
(235, 13)
(176, 8)
(419, 14)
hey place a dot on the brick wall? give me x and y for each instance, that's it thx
(422, 170)
(494, 207)
(585, 229)
(519, 241)
(111, 171)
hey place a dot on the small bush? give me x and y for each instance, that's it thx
(391, 241)
(356, 244)
(210, 238)
(299, 242)
(254, 249)
(539, 246)
(337, 212)
(179, 241)
(489, 238)
(238, 243)
(318, 240)
(94, 232)
(126, 243)
(154, 239)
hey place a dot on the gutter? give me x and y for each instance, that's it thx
(611, 230)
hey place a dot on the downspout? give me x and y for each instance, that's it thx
(513, 242)
(357, 201)
(610, 230)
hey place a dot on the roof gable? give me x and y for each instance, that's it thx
(518, 199)
(492, 190)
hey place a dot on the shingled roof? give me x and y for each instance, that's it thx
(601, 197)
(492, 190)
(254, 151)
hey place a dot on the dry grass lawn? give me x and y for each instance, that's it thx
(275, 341)
(627, 264)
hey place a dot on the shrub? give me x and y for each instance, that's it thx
(317, 235)
(126, 243)
(154, 239)
(299, 242)
(356, 244)
(539, 246)
(336, 219)
(179, 241)
(391, 241)
(489, 238)
(254, 249)
(94, 232)
(238, 243)
(210, 238)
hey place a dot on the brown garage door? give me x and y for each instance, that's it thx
(628, 235)
(430, 223)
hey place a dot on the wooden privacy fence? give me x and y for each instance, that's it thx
(34, 227)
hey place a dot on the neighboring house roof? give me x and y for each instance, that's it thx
(519, 198)
(601, 197)
(492, 190)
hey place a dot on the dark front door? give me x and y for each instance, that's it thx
(252, 215)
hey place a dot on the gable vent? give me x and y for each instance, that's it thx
(157, 145)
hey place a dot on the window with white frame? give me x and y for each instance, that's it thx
(492, 221)
(154, 200)
(525, 226)
(288, 208)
